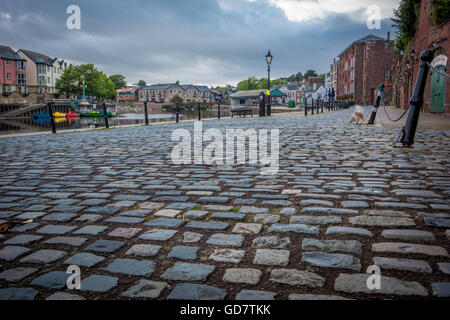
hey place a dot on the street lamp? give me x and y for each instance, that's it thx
(269, 58)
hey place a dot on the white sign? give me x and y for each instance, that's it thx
(440, 61)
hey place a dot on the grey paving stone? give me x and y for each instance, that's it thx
(10, 253)
(354, 204)
(444, 267)
(315, 220)
(89, 218)
(52, 280)
(191, 237)
(295, 228)
(346, 246)
(332, 211)
(316, 202)
(373, 221)
(64, 296)
(242, 275)
(229, 240)
(418, 266)
(357, 283)
(441, 290)
(288, 211)
(408, 235)
(196, 214)
(102, 210)
(272, 257)
(188, 291)
(349, 231)
(98, 283)
(55, 229)
(306, 297)
(132, 267)
(181, 206)
(143, 250)
(271, 242)
(213, 200)
(106, 246)
(44, 256)
(183, 253)
(409, 248)
(91, 230)
(247, 228)
(16, 274)
(25, 227)
(84, 259)
(18, 294)
(214, 207)
(165, 222)
(145, 289)
(126, 233)
(227, 255)
(30, 215)
(294, 277)
(267, 218)
(168, 213)
(182, 271)
(255, 295)
(136, 213)
(228, 216)
(216, 225)
(327, 260)
(158, 235)
(125, 220)
(253, 210)
(69, 241)
(24, 239)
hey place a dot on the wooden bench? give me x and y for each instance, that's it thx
(242, 112)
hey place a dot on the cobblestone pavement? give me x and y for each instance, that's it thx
(139, 226)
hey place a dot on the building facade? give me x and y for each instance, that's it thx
(164, 93)
(42, 71)
(362, 67)
(13, 71)
(406, 68)
(334, 75)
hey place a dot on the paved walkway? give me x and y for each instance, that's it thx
(138, 226)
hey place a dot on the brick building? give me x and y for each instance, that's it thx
(315, 82)
(13, 76)
(333, 75)
(362, 67)
(406, 68)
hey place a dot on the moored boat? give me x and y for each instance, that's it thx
(41, 115)
(72, 115)
(59, 115)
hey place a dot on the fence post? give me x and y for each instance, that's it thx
(199, 112)
(178, 113)
(218, 106)
(146, 112)
(312, 106)
(262, 108)
(52, 117)
(376, 105)
(105, 115)
(306, 106)
(416, 101)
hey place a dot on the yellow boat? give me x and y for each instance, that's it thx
(59, 115)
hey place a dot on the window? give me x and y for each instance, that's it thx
(48, 79)
(352, 75)
(346, 66)
(352, 88)
(8, 76)
(353, 62)
(8, 62)
(387, 75)
(21, 65)
(345, 90)
(22, 79)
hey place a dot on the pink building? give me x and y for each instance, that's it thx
(13, 76)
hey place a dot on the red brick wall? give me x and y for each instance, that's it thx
(428, 37)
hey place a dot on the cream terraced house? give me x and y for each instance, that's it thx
(164, 93)
(42, 71)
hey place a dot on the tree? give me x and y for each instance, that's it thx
(310, 73)
(118, 80)
(142, 83)
(299, 77)
(405, 22)
(176, 99)
(97, 83)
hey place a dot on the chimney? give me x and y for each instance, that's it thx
(388, 36)
(334, 61)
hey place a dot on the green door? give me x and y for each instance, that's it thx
(438, 91)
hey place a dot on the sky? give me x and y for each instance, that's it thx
(205, 42)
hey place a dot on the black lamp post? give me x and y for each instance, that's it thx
(269, 58)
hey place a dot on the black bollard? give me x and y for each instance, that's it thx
(312, 106)
(146, 112)
(52, 117)
(376, 105)
(218, 112)
(305, 103)
(262, 109)
(321, 105)
(416, 101)
(105, 115)
(199, 112)
(178, 113)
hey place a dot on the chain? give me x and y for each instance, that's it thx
(384, 108)
(438, 71)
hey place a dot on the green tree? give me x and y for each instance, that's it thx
(118, 80)
(405, 22)
(299, 77)
(310, 73)
(97, 83)
(142, 83)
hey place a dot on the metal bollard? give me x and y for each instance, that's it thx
(312, 106)
(178, 113)
(52, 117)
(377, 104)
(262, 109)
(146, 112)
(416, 101)
(321, 105)
(306, 108)
(105, 115)
(199, 112)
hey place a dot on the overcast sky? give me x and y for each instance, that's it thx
(210, 42)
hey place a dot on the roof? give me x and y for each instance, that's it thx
(202, 88)
(38, 57)
(159, 86)
(247, 94)
(8, 53)
(277, 93)
(365, 39)
(186, 86)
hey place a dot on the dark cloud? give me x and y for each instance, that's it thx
(197, 41)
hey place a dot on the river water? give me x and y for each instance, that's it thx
(24, 125)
